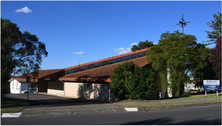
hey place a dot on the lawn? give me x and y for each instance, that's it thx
(195, 96)
(150, 105)
(11, 110)
(13, 106)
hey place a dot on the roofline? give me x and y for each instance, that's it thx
(51, 74)
(126, 54)
(86, 79)
(20, 79)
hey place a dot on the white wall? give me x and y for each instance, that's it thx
(15, 87)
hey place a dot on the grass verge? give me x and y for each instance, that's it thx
(150, 105)
(195, 96)
(11, 110)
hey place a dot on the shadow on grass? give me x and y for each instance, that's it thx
(168, 121)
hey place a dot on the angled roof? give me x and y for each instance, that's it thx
(101, 60)
(42, 74)
(100, 74)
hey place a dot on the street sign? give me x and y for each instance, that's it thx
(211, 85)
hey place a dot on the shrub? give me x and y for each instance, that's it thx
(130, 81)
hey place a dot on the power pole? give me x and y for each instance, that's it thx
(182, 23)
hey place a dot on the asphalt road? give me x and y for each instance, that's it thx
(189, 116)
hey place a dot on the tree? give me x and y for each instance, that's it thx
(130, 81)
(142, 45)
(178, 54)
(206, 73)
(216, 26)
(215, 58)
(20, 52)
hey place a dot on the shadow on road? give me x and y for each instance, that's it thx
(168, 121)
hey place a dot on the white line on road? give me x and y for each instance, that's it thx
(131, 109)
(10, 115)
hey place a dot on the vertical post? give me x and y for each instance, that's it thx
(28, 92)
(28, 79)
(159, 94)
(217, 93)
(205, 93)
(109, 95)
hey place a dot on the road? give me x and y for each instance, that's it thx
(189, 116)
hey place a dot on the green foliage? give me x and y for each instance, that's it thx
(216, 26)
(206, 73)
(11, 110)
(130, 81)
(142, 45)
(20, 52)
(180, 54)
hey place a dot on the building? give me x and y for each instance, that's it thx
(91, 80)
(44, 82)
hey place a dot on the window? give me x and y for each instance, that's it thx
(133, 56)
(125, 58)
(69, 71)
(112, 61)
(119, 59)
(144, 53)
(76, 70)
(91, 66)
(104, 63)
(97, 64)
(139, 54)
(16, 85)
(13, 85)
(83, 68)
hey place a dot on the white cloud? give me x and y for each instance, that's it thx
(134, 44)
(123, 50)
(79, 53)
(24, 10)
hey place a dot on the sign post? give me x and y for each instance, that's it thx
(211, 85)
(28, 79)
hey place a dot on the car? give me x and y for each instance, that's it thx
(30, 91)
(193, 91)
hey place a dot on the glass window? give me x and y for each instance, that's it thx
(144, 53)
(83, 68)
(69, 71)
(125, 58)
(112, 61)
(139, 54)
(133, 56)
(104, 63)
(76, 70)
(91, 66)
(119, 59)
(98, 64)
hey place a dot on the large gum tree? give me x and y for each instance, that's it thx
(179, 55)
(21, 53)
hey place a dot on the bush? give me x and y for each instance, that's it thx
(130, 81)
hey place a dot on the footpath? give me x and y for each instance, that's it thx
(49, 110)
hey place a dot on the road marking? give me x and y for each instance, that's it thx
(131, 109)
(10, 115)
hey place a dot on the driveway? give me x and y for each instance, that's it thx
(45, 99)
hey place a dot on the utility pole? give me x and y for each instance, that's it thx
(182, 23)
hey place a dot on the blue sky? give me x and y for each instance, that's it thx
(85, 31)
